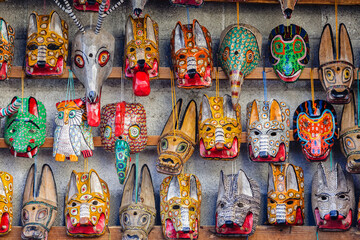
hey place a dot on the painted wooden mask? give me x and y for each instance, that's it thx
(47, 45)
(138, 7)
(177, 140)
(336, 73)
(219, 128)
(239, 54)
(315, 127)
(285, 199)
(187, 3)
(290, 51)
(39, 208)
(287, 7)
(137, 216)
(268, 131)
(87, 205)
(332, 198)
(90, 5)
(6, 48)
(142, 53)
(72, 135)
(191, 55)
(180, 204)
(25, 130)
(6, 202)
(237, 205)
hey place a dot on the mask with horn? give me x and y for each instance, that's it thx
(6, 202)
(6, 48)
(90, 5)
(287, 7)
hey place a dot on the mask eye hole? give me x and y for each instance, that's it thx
(144, 219)
(134, 131)
(201, 56)
(104, 57)
(53, 47)
(222, 205)
(236, 52)
(79, 61)
(32, 47)
(164, 144)
(126, 219)
(74, 204)
(240, 205)
(132, 49)
(72, 114)
(42, 214)
(272, 201)
(148, 49)
(290, 202)
(32, 131)
(12, 130)
(273, 134)
(249, 56)
(182, 56)
(192, 209)
(60, 115)
(176, 207)
(324, 198)
(182, 147)
(329, 74)
(25, 215)
(95, 202)
(108, 132)
(346, 74)
(342, 196)
(257, 133)
(228, 129)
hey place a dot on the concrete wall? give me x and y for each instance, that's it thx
(215, 16)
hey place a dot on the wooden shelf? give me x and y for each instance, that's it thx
(307, 2)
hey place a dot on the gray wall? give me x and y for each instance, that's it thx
(215, 16)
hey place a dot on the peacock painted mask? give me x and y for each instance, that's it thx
(287, 7)
(90, 5)
(6, 202)
(6, 48)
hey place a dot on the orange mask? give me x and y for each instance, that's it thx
(6, 49)
(6, 195)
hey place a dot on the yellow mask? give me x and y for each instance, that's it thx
(6, 195)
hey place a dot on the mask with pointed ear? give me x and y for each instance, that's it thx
(219, 128)
(39, 208)
(142, 53)
(268, 131)
(177, 140)
(90, 5)
(237, 205)
(287, 7)
(332, 198)
(87, 205)
(6, 206)
(191, 53)
(187, 3)
(180, 204)
(6, 49)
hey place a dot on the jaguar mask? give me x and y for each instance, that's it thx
(6, 48)
(90, 5)
(287, 7)
(6, 202)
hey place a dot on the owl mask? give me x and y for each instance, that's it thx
(142, 53)
(290, 51)
(25, 130)
(177, 140)
(219, 128)
(87, 205)
(137, 216)
(39, 209)
(239, 54)
(191, 55)
(332, 198)
(237, 205)
(6, 48)
(315, 127)
(285, 199)
(268, 131)
(180, 204)
(47, 45)
(90, 5)
(336, 74)
(6, 199)
(287, 7)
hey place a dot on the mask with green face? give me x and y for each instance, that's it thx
(290, 51)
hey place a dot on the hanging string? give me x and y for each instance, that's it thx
(287, 22)
(86, 165)
(217, 81)
(22, 90)
(337, 29)
(44, 7)
(136, 177)
(109, 232)
(312, 88)
(188, 17)
(238, 14)
(122, 86)
(331, 160)
(264, 82)
(173, 100)
(317, 234)
(70, 89)
(35, 169)
(358, 99)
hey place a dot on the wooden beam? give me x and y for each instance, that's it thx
(305, 2)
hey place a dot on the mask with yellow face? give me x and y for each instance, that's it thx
(7, 35)
(6, 198)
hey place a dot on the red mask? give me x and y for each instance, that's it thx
(90, 5)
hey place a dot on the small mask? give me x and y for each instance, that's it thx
(177, 140)
(138, 7)
(90, 5)
(72, 136)
(219, 128)
(6, 49)
(285, 199)
(47, 45)
(268, 131)
(332, 198)
(336, 75)
(180, 204)
(315, 127)
(142, 53)
(239, 54)
(126, 121)
(290, 51)
(6, 199)
(39, 208)
(187, 3)
(237, 205)
(137, 216)
(287, 7)
(191, 55)
(25, 130)
(87, 205)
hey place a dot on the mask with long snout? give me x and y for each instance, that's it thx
(7, 36)
(39, 209)
(332, 198)
(287, 7)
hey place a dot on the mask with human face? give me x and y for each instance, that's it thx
(6, 48)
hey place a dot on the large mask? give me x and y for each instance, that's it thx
(177, 140)
(285, 199)
(268, 131)
(25, 130)
(6, 202)
(239, 54)
(39, 208)
(290, 51)
(72, 136)
(287, 7)
(336, 73)
(47, 45)
(6, 49)
(315, 127)
(90, 5)
(191, 55)
(332, 198)
(142, 53)
(219, 128)
(137, 216)
(237, 205)
(180, 204)
(87, 205)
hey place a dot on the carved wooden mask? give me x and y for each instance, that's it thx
(180, 205)
(7, 36)
(237, 205)
(90, 5)
(336, 75)
(219, 128)
(138, 7)
(191, 53)
(6, 202)
(332, 198)
(187, 3)
(285, 198)
(287, 7)
(123, 159)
